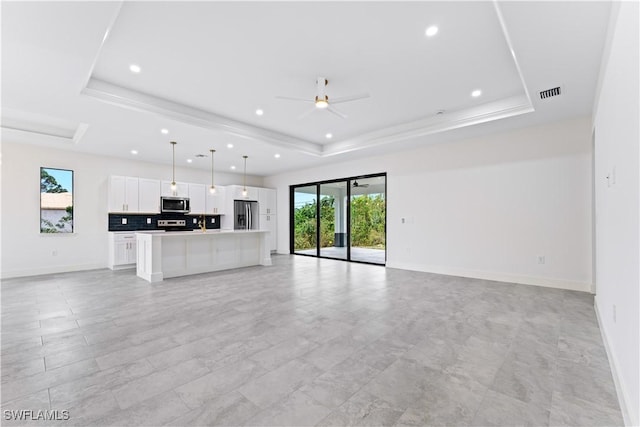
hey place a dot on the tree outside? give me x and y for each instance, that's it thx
(56, 205)
(368, 215)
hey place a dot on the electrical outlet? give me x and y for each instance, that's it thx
(541, 259)
(213, 220)
(403, 220)
(615, 315)
(54, 252)
(148, 220)
(124, 221)
(195, 221)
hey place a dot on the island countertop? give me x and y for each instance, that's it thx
(181, 253)
(198, 232)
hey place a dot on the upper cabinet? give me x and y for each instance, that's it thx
(197, 198)
(148, 195)
(182, 189)
(215, 203)
(142, 195)
(267, 201)
(123, 194)
(234, 192)
(128, 194)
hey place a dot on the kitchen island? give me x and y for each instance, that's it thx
(181, 253)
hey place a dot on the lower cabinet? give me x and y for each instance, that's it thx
(122, 250)
(268, 222)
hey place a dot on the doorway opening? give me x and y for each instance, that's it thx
(340, 219)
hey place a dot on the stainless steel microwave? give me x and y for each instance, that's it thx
(175, 204)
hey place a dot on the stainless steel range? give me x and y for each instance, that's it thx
(172, 224)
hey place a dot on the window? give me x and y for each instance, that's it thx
(56, 200)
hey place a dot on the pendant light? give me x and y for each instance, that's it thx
(244, 177)
(173, 182)
(212, 189)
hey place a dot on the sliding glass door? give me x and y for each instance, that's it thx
(368, 220)
(333, 220)
(340, 219)
(305, 220)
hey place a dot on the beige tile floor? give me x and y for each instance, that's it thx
(304, 342)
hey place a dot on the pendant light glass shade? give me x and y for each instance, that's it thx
(173, 180)
(212, 189)
(244, 178)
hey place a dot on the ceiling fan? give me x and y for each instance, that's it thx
(358, 185)
(321, 99)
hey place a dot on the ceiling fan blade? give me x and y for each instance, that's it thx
(290, 98)
(336, 112)
(306, 113)
(349, 98)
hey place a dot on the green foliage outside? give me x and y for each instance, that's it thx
(48, 184)
(47, 226)
(368, 214)
(367, 222)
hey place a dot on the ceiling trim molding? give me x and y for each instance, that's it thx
(507, 38)
(107, 32)
(501, 109)
(25, 126)
(138, 101)
(10, 134)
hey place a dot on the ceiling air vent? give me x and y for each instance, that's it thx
(550, 92)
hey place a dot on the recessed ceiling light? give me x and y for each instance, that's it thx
(164, 131)
(135, 68)
(229, 145)
(329, 135)
(277, 156)
(134, 152)
(259, 112)
(476, 93)
(189, 160)
(431, 31)
(233, 167)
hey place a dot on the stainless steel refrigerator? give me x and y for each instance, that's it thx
(245, 215)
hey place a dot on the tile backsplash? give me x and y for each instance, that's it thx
(136, 222)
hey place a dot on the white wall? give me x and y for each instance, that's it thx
(27, 252)
(485, 207)
(617, 139)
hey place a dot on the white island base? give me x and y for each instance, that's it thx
(181, 253)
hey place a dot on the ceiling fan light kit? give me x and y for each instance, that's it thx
(321, 100)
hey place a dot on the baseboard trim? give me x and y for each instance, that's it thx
(498, 277)
(49, 270)
(623, 398)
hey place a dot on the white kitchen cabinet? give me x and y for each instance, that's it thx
(122, 250)
(148, 195)
(268, 222)
(235, 191)
(182, 189)
(197, 198)
(215, 203)
(123, 194)
(267, 201)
